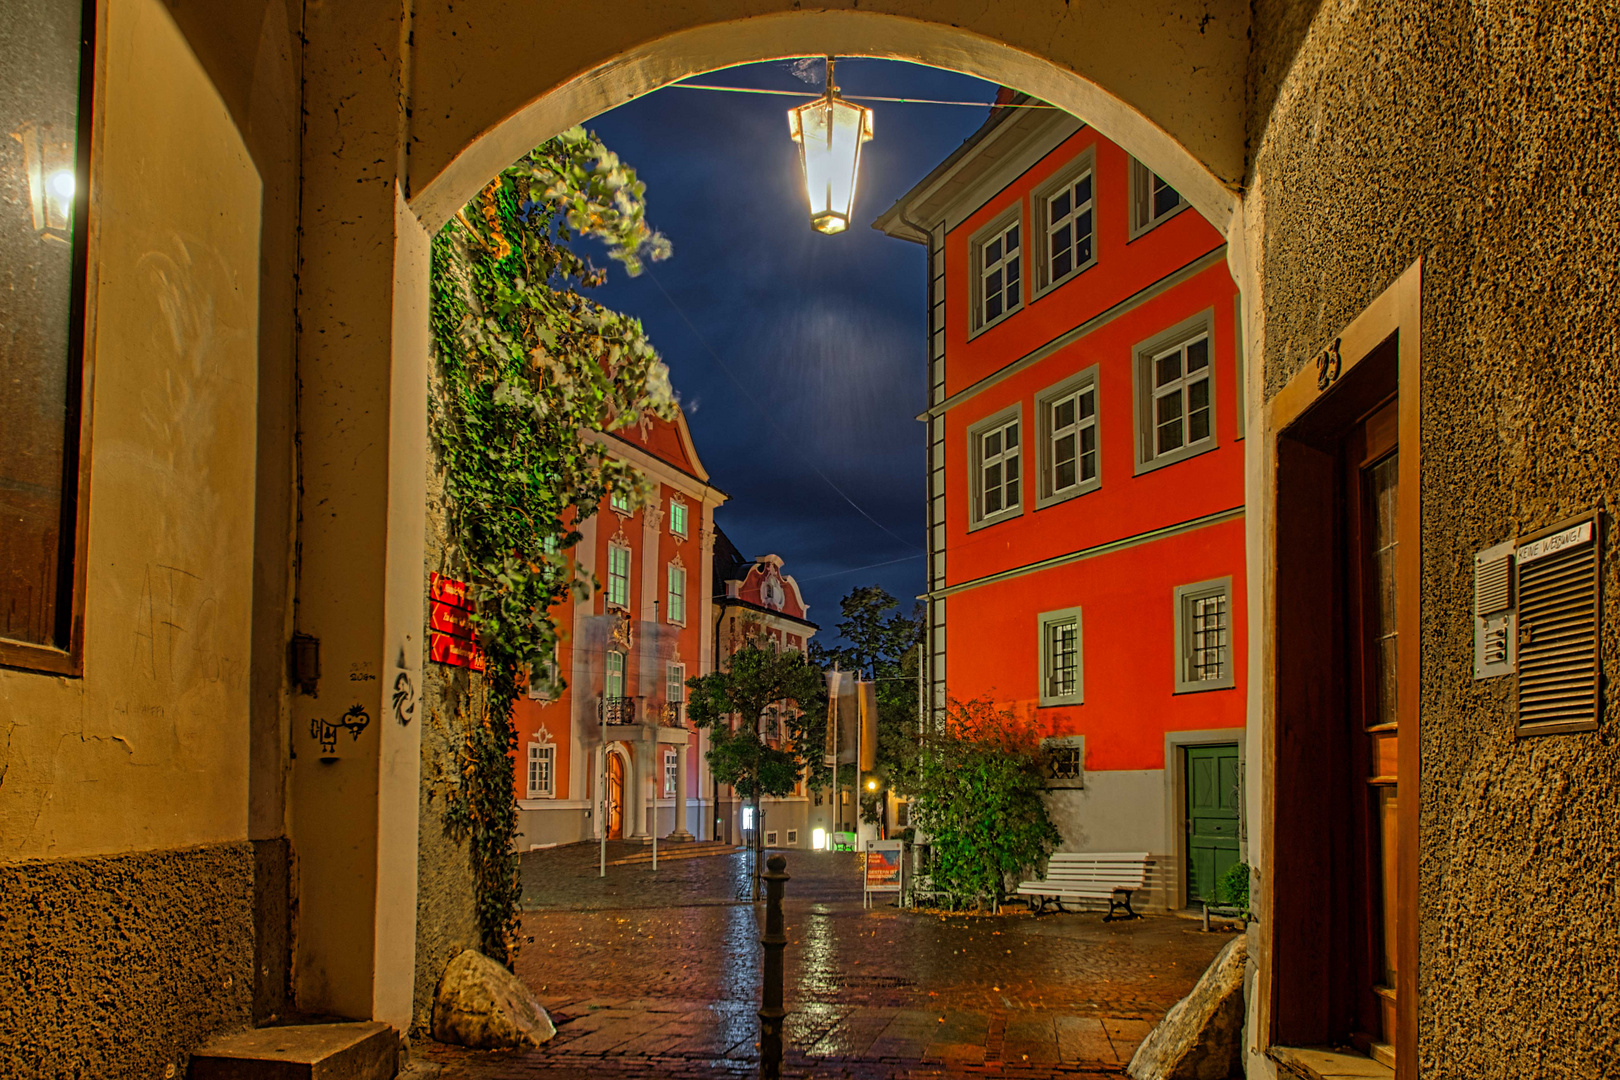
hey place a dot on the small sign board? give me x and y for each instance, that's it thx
(882, 861)
(451, 639)
(1573, 536)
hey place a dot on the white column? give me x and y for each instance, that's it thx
(680, 831)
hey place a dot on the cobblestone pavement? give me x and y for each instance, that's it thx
(657, 974)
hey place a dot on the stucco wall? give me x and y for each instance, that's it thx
(150, 748)
(117, 966)
(1481, 137)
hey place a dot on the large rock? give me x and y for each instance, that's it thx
(1201, 1037)
(481, 1004)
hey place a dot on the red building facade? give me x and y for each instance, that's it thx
(607, 744)
(1085, 490)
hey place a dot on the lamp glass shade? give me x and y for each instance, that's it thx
(830, 132)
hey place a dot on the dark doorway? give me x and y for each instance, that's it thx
(1212, 818)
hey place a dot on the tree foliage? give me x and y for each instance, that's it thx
(882, 643)
(977, 796)
(776, 694)
(525, 362)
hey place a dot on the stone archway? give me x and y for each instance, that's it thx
(469, 89)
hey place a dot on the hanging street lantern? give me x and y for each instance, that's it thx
(830, 131)
(48, 161)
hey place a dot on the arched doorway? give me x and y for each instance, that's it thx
(615, 795)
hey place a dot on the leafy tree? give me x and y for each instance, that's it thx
(775, 694)
(525, 361)
(978, 788)
(881, 643)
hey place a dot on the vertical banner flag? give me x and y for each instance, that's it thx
(843, 717)
(868, 714)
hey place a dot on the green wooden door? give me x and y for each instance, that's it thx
(1212, 818)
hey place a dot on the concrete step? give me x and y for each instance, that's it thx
(367, 1050)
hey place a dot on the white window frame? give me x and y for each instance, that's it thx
(1047, 434)
(1187, 599)
(543, 681)
(1077, 743)
(619, 503)
(1012, 218)
(675, 688)
(1142, 184)
(997, 422)
(673, 594)
(622, 599)
(613, 672)
(1046, 623)
(542, 753)
(672, 771)
(1145, 358)
(678, 509)
(1082, 167)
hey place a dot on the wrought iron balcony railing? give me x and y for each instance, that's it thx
(617, 710)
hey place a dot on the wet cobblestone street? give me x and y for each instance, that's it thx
(651, 975)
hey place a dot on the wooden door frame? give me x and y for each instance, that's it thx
(1395, 314)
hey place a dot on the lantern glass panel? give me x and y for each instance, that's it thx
(40, 57)
(830, 132)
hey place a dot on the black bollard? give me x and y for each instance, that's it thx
(771, 1012)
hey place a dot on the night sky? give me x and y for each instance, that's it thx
(817, 360)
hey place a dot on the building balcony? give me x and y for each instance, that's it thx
(616, 710)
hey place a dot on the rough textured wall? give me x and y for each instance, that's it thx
(119, 966)
(446, 906)
(1482, 135)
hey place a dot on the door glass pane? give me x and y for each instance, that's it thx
(1381, 486)
(39, 94)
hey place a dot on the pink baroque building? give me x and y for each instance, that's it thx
(755, 602)
(604, 743)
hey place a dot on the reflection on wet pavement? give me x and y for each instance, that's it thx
(658, 974)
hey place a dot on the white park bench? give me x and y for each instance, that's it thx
(1109, 876)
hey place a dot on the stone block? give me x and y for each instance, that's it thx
(482, 1005)
(1201, 1037)
(367, 1050)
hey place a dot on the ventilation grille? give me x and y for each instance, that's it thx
(1558, 607)
(1493, 584)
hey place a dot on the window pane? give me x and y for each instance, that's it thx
(1082, 230)
(1082, 190)
(1063, 414)
(1063, 474)
(39, 97)
(992, 307)
(1198, 354)
(1012, 283)
(1087, 403)
(1012, 436)
(992, 500)
(992, 444)
(1012, 239)
(1060, 206)
(1198, 395)
(1165, 198)
(1062, 257)
(992, 251)
(1167, 368)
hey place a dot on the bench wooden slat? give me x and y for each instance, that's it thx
(1101, 875)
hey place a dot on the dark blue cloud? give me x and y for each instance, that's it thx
(818, 341)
